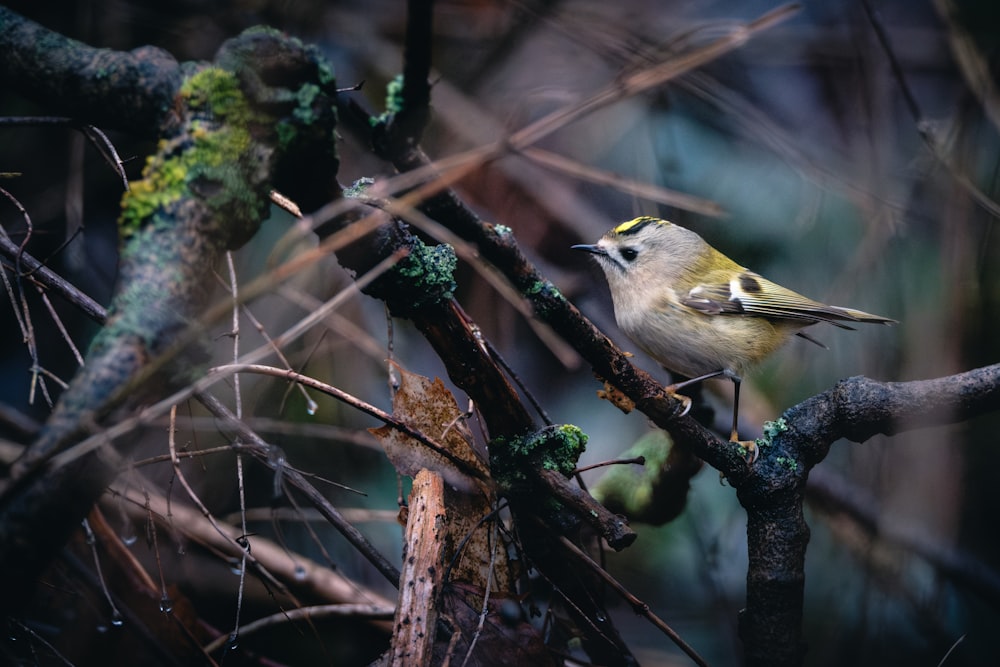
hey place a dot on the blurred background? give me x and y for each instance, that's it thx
(858, 169)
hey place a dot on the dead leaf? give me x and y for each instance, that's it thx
(427, 406)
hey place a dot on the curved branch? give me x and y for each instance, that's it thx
(858, 408)
(204, 192)
(773, 490)
(74, 79)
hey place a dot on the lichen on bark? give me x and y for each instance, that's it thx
(203, 192)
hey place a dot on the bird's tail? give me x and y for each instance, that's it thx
(837, 315)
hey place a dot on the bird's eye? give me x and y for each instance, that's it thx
(629, 254)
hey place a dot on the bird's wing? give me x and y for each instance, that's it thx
(750, 294)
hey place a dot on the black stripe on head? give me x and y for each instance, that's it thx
(633, 226)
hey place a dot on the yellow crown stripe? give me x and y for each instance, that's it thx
(632, 226)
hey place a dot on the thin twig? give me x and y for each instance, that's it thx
(48, 278)
(924, 128)
(94, 135)
(367, 611)
(639, 460)
(638, 605)
(196, 499)
(24, 316)
(244, 539)
(262, 451)
(320, 582)
(357, 404)
(163, 406)
(116, 615)
(648, 191)
(57, 320)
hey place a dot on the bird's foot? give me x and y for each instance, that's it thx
(750, 449)
(685, 401)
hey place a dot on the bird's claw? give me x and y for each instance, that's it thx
(750, 449)
(685, 401)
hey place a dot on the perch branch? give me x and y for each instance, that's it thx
(773, 490)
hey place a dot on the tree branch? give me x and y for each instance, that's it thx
(73, 79)
(204, 192)
(772, 491)
(858, 408)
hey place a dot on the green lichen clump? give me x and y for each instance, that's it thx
(544, 287)
(543, 296)
(304, 108)
(217, 92)
(552, 448)
(771, 430)
(214, 140)
(426, 275)
(359, 188)
(304, 114)
(393, 101)
(161, 185)
(394, 95)
(787, 462)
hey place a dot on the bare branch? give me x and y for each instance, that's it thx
(46, 277)
(72, 78)
(772, 491)
(858, 408)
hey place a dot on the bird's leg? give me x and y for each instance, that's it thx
(672, 389)
(750, 445)
(687, 383)
(734, 435)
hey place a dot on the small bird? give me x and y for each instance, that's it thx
(697, 312)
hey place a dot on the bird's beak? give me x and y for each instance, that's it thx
(593, 249)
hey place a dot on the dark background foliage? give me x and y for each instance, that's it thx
(833, 183)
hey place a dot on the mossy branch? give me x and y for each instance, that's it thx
(132, 91)
(204, 191)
